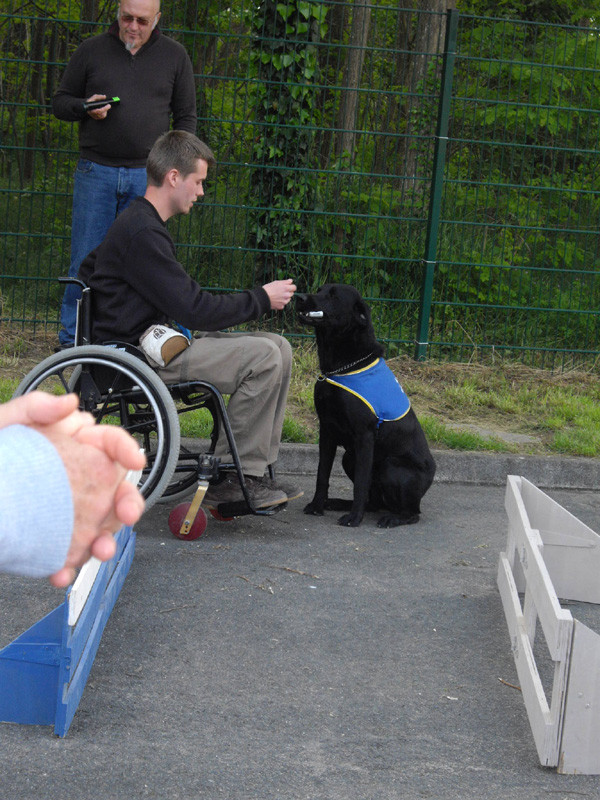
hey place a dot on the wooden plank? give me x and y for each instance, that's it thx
(580, 743)
(89, 611)
(518, 522)
(544, 726)
(530, 615)
(555, 621)
(44, 671)
(541, 603)
(571, 549)
(87, 575)
(558, 556)
(29, 668)
(81, 589)
(83, 640)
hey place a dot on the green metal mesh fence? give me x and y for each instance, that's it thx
(444, 164)
(518, 261)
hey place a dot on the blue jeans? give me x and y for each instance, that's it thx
(99, 194)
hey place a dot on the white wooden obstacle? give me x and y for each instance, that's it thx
(551, 554)
(44, 671)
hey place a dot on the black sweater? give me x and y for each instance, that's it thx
(153, 85)
(136, 281)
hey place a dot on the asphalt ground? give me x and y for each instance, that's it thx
(288, 658)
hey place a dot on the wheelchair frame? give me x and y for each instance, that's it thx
(116, 384)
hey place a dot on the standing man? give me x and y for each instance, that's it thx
(137, 283)
(153, 78)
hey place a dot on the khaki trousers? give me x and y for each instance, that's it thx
(255, 370)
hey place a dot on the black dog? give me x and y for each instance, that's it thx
(386, 453)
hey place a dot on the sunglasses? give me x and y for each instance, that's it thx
(141, 21)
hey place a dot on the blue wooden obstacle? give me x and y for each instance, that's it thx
(43, 672)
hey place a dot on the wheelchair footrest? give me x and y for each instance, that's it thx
(240, 508)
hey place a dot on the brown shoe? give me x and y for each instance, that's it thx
(230, 491)
(292, 492)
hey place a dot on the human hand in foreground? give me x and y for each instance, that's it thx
(280, 293)
(96, 459)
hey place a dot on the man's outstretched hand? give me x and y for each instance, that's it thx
(280, 293)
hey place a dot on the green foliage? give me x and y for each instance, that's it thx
(7, 389)
(517, 262)
(294, 431)
(196, 424)
(522, 184)
(553, 11)
(284, 61)
(379, 253)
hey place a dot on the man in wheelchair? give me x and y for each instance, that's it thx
(138, 284)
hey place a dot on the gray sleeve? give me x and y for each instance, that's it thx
(36, 506)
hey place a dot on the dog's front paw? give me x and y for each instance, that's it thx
(350, 520)
(314, 509)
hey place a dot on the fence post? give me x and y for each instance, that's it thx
(437, 183)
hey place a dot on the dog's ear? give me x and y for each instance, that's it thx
(361, 313)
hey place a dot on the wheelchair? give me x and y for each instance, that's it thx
(115, 383)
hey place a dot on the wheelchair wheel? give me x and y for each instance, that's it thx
(118, 388)
(184, 480)
(178, 515)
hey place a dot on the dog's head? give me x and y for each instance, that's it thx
(334, 306)
(342, 323)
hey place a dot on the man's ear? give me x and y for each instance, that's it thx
(171, 177)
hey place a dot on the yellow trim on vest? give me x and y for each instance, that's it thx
(364, 369)
(348, 389)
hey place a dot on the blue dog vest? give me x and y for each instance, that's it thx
(377, 386)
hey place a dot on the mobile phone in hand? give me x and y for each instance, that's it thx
(110, 101)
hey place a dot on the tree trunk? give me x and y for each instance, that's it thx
(348, 111)
(428, 44)
(204, 52)
(36, 97)
(330, 58)
(89, 15)
(387, 146)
